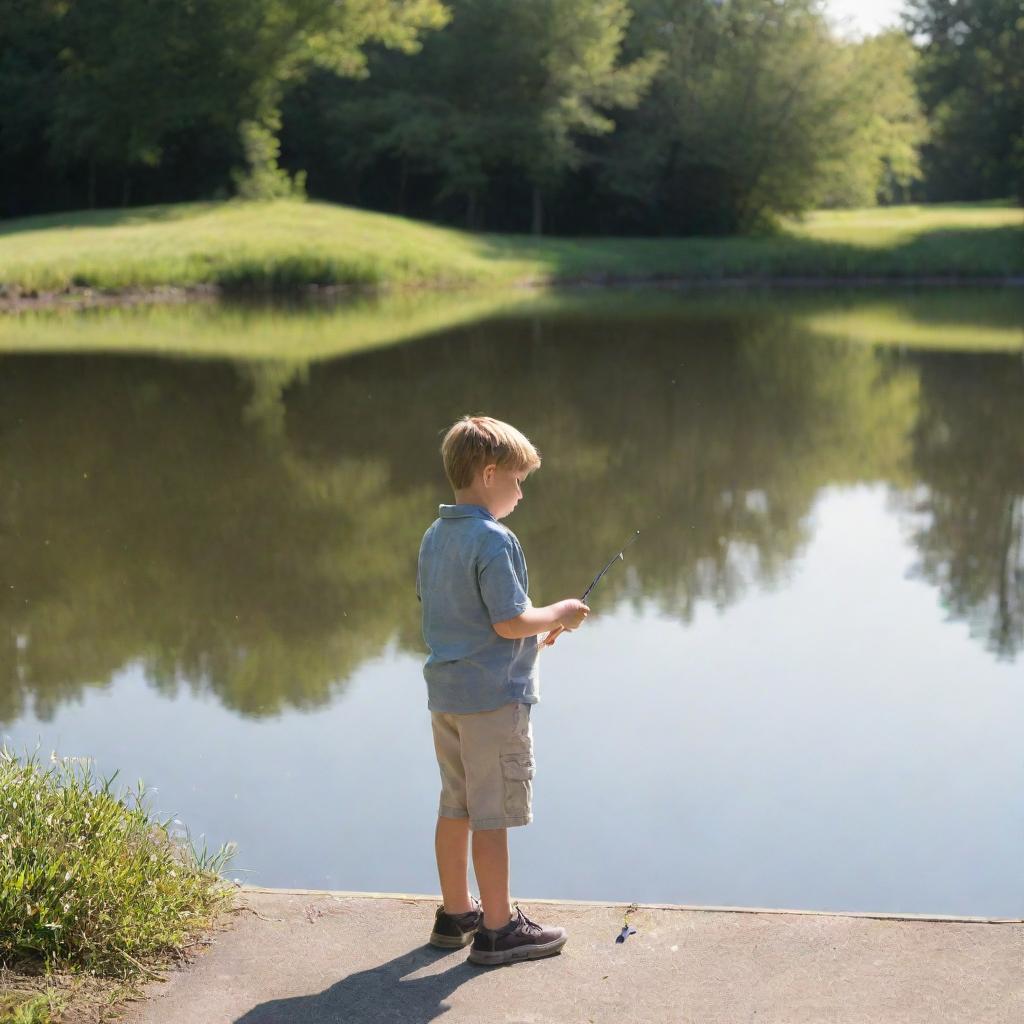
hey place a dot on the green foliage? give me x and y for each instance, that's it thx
(884, 127)
(18, 1009)
(121, 89)
(971, 81)
(87, 879)
(581, 77)
(725, 116)
(264, 178)
(760, 111)
(106, 87)
(28, 73)
(609, 116)
(550, 72)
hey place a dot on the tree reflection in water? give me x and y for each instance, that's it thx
(969, 460)
(252, 530)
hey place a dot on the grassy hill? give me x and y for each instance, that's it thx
(286, 244)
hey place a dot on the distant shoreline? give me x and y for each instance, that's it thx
(92, 298)
(186, 251)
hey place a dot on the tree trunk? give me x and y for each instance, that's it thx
(403, 181)
(538, 212)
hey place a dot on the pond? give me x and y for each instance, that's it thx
(804, 688)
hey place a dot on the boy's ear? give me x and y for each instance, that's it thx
(488, 474)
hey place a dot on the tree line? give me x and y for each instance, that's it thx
(569, 116)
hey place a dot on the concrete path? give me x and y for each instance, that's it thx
(312, 958)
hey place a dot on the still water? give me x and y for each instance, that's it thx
(804, 688)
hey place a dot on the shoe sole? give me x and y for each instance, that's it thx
(510, 956)
(451, 941)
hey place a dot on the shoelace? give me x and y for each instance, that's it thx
(526, 924)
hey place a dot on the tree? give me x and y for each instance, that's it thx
(28, 73)
(506, 88)
(294, 36)
(580, 78)
(756, 109)
(122, 77)
(886, 126)
(132, 74)
(971, 80)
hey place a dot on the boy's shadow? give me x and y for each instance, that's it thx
(376, 994)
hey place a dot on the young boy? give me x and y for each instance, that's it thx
(481, 681)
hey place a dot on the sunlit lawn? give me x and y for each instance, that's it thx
(284, 244)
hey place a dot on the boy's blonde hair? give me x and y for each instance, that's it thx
(476, 441)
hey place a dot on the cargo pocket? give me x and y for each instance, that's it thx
(517, 770)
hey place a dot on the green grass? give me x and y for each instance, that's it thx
(284, 244)
(24, 1008)
(89, 882)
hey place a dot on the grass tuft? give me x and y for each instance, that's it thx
(283, 273)
(89, 881)
(17, 1008)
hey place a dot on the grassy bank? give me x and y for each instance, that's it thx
(94, 893)
(285, 244)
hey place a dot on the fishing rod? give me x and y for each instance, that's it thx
(553, 634)
(617, 558)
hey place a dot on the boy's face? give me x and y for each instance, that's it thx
(503, 488)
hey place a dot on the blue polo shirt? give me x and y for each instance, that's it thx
(471, 574)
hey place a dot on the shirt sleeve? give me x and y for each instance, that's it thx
(501, 589)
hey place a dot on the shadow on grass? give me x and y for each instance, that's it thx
(131, 216)
(972, 252)
(383, 993)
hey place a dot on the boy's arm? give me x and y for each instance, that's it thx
(505, 596)
(568, 614)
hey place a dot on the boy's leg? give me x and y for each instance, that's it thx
(451, 844)
(490, 861)
(505, 937)
(451, 837)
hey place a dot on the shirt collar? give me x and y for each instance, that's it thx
(463, 512)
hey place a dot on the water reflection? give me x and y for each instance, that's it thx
(250, 530)
(969, 460)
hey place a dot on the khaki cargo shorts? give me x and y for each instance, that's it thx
(486, 762)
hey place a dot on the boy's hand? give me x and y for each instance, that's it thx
(573, 613)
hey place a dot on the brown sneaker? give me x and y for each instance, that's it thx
(520, 939)
(453, 931)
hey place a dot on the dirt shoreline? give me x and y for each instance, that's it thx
(17, 301)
